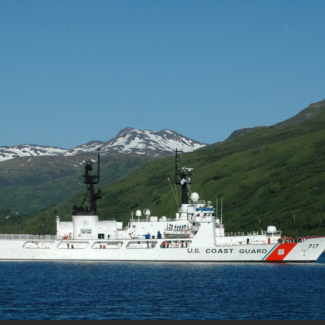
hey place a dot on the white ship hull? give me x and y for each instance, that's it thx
(307, 251)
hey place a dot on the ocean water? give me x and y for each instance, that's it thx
(136, 291)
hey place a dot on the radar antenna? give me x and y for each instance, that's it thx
(90, 180)
(181, 177)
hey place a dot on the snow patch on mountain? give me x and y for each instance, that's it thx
(129, 140)
(163, 142)
(27, 150)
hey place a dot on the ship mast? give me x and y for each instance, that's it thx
(90, 180)
(181, 177)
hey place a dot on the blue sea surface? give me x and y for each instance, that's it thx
(175, 291)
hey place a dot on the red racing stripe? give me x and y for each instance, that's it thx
(280, 252)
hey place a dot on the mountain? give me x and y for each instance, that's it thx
(308, 113)
(145, 142)
(304, 115)
(34, 177)
(238, 133)
(271, 176)
(129, 140)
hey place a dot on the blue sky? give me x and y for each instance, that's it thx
(72, 71)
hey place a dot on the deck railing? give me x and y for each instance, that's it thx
(26, 237)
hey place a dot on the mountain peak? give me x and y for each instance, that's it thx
(151, 143)
(128, 140)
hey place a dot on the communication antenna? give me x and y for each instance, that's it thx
(217, 208)
(90, 180)
(174, 192)
(221, 211)
(181, 177)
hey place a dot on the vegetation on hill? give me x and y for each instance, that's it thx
(32, 184)
(272, 176)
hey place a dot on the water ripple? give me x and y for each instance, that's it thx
(66, 291)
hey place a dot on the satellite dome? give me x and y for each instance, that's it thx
(146, 212)
(195, 197)
(271, 229)
(138, 213)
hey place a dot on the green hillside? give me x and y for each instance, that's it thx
(30, 185)
(305, 115)
(272, 176)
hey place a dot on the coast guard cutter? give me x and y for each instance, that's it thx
(193, 234)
